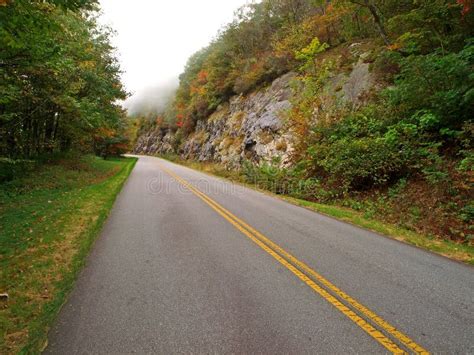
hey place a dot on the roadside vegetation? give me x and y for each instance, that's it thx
(404, 156)
(61, 131)
(49, 219)
(359, 216)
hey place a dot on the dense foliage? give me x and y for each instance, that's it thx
(59, 79)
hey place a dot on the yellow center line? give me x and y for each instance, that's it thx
(292, 264)
(302, 266)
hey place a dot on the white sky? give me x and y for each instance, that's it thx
(155, 37)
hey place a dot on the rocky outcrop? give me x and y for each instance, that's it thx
(254, 127)
(248, 127)
(157, 141)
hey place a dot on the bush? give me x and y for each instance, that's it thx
(467, 213)
(11, 168)
(439, 85)
(288, 181)
(268, 176)
(359, 163)
(109, 142)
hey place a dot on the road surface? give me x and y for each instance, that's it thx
(189, 263)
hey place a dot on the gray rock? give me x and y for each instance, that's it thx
(359, 82)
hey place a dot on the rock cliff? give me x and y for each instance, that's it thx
(254, 127)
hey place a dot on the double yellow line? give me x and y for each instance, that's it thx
(331, 293)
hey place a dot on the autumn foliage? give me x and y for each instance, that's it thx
(263, 41)
(60, 81)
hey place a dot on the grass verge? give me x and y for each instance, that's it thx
(452, 250)
(49, 220)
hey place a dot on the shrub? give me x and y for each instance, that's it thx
(268, 176)
(359, 163)
(440, 86)
(467, 213)
(308, 54)
(11, 168)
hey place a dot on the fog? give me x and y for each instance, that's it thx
(152, 99)
(155, 38)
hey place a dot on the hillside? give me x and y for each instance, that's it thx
(362, 104)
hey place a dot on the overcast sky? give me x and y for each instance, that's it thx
(155, 37)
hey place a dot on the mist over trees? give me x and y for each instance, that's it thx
(152, 100)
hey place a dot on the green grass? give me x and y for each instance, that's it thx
(447, 248)
(456, 251)
(49, 219)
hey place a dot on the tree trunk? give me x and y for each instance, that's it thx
(378, 21)
(48, 135)
(56, 126)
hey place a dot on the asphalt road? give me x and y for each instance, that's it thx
(238, 271)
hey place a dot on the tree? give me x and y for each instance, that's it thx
(56, 92)
(375, 12)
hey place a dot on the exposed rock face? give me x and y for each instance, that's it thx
(254, 127)
(248, 127)
(158, 141)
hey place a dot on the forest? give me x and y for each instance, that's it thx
(60, 82)
(411, 141)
